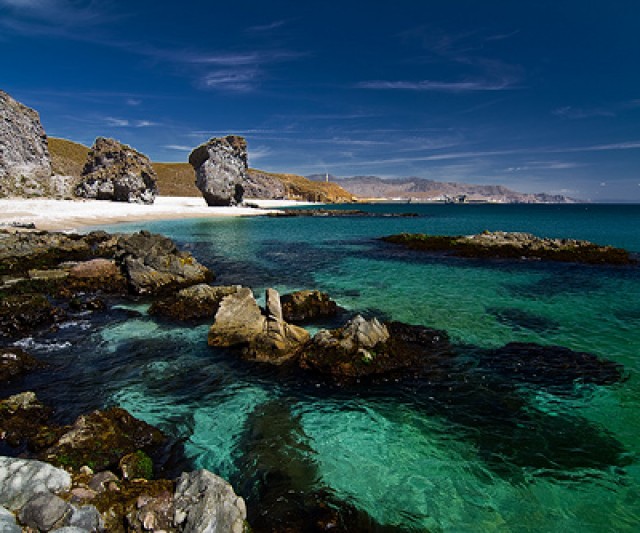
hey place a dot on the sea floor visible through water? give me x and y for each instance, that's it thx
(472, 452)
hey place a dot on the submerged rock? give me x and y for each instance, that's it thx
(261, 337)
(514, 245)
(221, 168)
(115, 171)
(303, 306)
(197, 301)
(25, 163)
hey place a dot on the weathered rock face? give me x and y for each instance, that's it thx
(115, 171)
(198, 301)
(301, 306)
(264, 338)
(264, 186)
(25, 164)
(221, 169)
(206, 502)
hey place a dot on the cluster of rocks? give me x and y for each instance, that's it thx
(337, 213)
(514, 245)
(100, 473)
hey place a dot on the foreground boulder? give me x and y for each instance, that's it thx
(514, 245)
(263, 337)
(303, 306)
(197, 301)
(206, 502)
(25, 164)
(14, 362)
(115, 171)
(221, 168)
(369, 348)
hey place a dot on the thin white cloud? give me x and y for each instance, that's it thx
(439, 86)
(232, 80)
(116, 122)
(574, 113)
(266, 27)
(178, 147)
(145, 123)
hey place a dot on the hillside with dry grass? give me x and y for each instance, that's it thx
(178, 179)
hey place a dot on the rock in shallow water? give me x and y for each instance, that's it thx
(198, 301)
(302, 306)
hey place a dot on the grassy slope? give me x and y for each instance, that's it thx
(178, 179)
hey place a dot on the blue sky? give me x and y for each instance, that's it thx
(535, 95)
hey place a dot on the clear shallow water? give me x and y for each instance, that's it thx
(474, 452)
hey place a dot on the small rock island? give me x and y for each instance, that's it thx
(514, 245)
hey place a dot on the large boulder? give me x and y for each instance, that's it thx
(115, 171)
(221, 169)
(261, 336)
(25, 164)
(206, 502)
(22, 479)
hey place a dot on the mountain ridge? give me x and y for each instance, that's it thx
(426, 190)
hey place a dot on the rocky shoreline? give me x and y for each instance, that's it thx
(112, 472)
(514, 245)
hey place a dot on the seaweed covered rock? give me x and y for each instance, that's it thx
(115, 171)
(221, 169)
(262, 337)
(102, 438)
(369, 348)
(14, 362)
(20, 314)
(25, 163)
(153, 264)
(514, 245)
(303, 306)
(197, 301)
(24, 423)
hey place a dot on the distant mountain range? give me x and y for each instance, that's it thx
(426, 190)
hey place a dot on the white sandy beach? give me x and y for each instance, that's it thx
(71, 215)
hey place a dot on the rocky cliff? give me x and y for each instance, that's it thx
(25, 165)
(221, 169)
(115, 171)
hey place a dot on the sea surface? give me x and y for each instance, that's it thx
(472, 452)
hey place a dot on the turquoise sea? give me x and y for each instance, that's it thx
(472, 452)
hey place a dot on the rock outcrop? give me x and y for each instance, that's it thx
(15, 362)
(25, 164)
(221, 169)
(302, 306)
(198, 301)
(262, 337)
(115, 171)
(514, 245)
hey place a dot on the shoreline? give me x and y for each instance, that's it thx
(74, 215)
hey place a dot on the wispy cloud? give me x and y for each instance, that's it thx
(116, 122)
(127, 123)
(178, 147)
(234, 80)
(576, 113)
(439, 86)
(266, 27)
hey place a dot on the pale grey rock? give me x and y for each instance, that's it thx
(45, 511)
(72, 529)
(22, 479)
(8, 522)
(274, 309)
(206, 503)
(115, 171)
(263, 186)
(221, 170)
(86, 518)
(25, 163)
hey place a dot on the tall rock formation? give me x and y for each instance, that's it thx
(221, 169)
(115, 171)
(25, 165)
